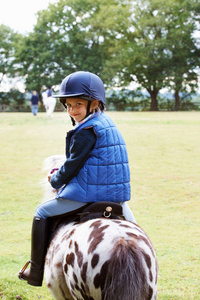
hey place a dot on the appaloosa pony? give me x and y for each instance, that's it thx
(100, 259)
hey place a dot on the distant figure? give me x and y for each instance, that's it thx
(35, 102)
(49, 92)
(49, 102)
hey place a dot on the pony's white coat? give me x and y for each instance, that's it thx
(49, 103)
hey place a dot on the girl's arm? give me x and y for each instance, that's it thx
(83, 142)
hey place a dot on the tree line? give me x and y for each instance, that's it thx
(151, 43)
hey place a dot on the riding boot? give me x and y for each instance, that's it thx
(34, 275)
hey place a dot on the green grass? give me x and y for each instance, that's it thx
(164, 155)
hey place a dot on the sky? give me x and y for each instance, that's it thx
(20, 15)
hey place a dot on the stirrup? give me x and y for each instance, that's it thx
(21, 272)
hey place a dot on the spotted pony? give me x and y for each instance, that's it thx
(101, 259)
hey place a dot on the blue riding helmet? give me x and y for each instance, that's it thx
(84, 85)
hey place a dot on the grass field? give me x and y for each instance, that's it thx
(164, 155)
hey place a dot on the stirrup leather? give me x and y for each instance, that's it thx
(21, 272)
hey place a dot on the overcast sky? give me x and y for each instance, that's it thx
(20, 15)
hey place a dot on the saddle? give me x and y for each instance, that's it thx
(104, 209)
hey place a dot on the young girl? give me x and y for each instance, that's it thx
(96, 168)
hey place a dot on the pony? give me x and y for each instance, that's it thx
(99, 259)
(49, 103)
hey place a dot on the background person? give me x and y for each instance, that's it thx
(35, 102)
(49, 92)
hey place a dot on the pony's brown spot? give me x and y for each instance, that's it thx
(66, 268)
(148, 243)
(83, 287)
(117, 221)
(84, 271)
(132, 235)
(85, 295)
(95, 260)
(49, 285)
(79, 255)
(150, 294)
(96, 224)
(147, 259)
(125, 225)
(70, 244)
(99, 279)
(70, 259)
(68, 235)
(150, 276)
(71, 232)
(58, 265)
(96, 236)
(71, 285)
(75, 278)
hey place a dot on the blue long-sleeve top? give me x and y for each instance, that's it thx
(34, 100)
(83, 142)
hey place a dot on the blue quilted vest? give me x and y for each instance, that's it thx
(105, 176)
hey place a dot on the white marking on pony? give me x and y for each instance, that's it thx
(100, 259)
(49, 103)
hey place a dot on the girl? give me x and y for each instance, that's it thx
(96, 168)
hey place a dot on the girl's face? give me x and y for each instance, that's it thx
(77, 108)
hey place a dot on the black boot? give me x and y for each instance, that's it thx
(34, 275)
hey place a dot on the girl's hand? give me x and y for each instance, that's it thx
(49, 177)
(51, 173)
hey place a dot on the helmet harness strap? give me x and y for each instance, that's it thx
(88, 109)
(73, 121)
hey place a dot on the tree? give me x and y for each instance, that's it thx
(7, 51)
(145, 54)
(69, 36)
(12, 100)
(183, 49)
(147, 41)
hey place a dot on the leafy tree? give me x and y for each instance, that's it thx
(12, 100)
(4, 101)
(146, 53)
(183, 49)
(7, 51)
(125, 99)
(146, 41)
(69, 36)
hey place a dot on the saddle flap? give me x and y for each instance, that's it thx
(101, 209)
(89, 211)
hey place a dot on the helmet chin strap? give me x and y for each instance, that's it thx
(73, 121)
(88, 109)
